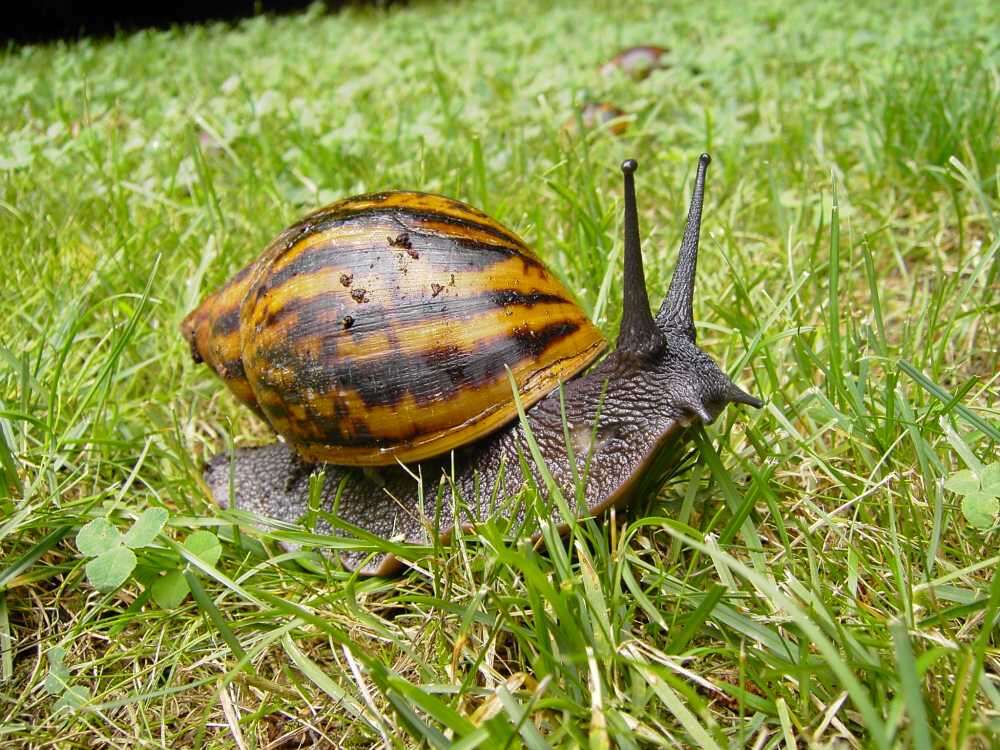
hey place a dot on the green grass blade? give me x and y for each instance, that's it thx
(214, 615)
(911, 684)
(944, 397)
(859, 694)
(29, 558)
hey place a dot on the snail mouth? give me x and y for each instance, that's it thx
(705, 413)
(693, 410)
(708, 410)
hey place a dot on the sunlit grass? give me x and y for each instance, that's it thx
(807, 579)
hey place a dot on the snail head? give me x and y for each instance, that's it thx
(664, 346)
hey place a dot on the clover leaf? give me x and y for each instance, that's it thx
(205, 545)
(97, 537)
(171, 589)
(114, 559)
(980, 509)
(111, 569)
(57, 683)
(963, 482)
(143, 532)
(980, 494)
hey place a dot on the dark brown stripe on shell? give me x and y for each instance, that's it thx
(232, 370)
(226, 322)
(314, 315)
(327, 219)
(441, 372)
(403, 217)
(515, 298)
(472, 254)
(464, 223)
(533, 342)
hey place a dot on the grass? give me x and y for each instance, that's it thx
(808, 581)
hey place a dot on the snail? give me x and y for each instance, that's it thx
(380, 335)
(636, 62)
(598, 114)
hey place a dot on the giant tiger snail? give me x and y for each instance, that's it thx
(386, 329)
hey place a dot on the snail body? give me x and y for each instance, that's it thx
(608, 429)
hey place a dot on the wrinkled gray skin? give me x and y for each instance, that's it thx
(649, 391)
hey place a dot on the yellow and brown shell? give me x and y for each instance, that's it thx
(380, 328)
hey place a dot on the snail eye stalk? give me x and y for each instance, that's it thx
(677, 311)
(638, 333)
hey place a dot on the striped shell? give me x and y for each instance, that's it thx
(380, 327)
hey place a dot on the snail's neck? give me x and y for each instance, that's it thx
(601, 430)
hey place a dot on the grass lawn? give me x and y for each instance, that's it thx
(822, 573)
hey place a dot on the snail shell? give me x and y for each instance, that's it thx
(598, 114)
(636, 62)
(380, 328)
